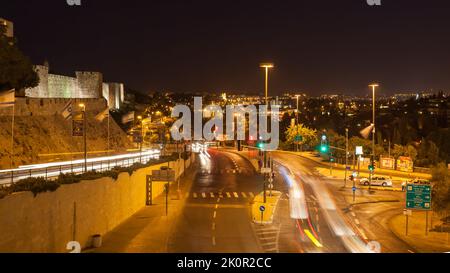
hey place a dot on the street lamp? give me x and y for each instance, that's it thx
(373, 86)
(267, 66)
(83, 111)
(298, 110)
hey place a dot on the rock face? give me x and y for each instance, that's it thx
(40, 130)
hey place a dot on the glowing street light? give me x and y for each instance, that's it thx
(372, 169)
(267, 66)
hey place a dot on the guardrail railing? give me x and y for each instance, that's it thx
(53, 170)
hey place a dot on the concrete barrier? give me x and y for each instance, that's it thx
(47, 222)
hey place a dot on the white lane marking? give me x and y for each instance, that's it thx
(213, 226)
(353, 214)
(236, 195)
(215, 215)
(228, 195)
(244, 195)
(212, 195)
(313, 197)
(203, 195)
(214, 241)
(251, 194)
(357, 222)
(195, 195)
(217, 206)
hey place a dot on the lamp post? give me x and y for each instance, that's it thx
(141, 139)
(83, 112)
(374, 86)
(267, 66)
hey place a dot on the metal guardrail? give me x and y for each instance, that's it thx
(8, 177)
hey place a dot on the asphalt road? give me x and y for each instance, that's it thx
(216, 217)
(368, 221)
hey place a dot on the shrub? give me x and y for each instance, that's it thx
(34, 184)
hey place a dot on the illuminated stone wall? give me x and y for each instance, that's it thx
(86, 85)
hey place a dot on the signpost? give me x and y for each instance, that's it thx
(165, 176)
(262, 209)
(418, 197)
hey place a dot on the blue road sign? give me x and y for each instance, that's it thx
(354, 188)
(349, 168)
(262, 209)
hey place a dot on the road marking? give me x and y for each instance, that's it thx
(313, 239)
(267, 232)
(236, 195)
(410, 251)
(251, 195)
(269, 244)
(357, 222)
(217, 206)
(244, 195)
(195, 195)
(213, 226)
(220, 195)
(215, 215)
(214, 241)
(212, 195)
(203, 195)
(353, 214)
(228, 195)
(313, 197)
(218, 200)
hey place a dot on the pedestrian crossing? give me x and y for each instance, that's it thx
(222, 195)
(226, 171)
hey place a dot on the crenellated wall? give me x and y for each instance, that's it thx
(84, 85)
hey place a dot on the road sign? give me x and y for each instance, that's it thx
(270, 180)
(349, 168)
(77, 128)
(266, 170)
(354, 189)
(262, 208)
(298, 139)
(359, 150)
(418, 197)
(270, 186)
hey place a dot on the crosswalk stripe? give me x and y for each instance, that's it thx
(212, 195)
(203, 195)
(195, 195)
(228, 195)
(251, 194)
(236, 195)
(244, 195)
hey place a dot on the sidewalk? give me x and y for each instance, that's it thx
(434, 242)
(148, 231)
(378, 171)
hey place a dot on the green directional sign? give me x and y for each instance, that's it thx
(418, 197)
(298, 138)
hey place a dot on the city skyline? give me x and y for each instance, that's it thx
(188, 47)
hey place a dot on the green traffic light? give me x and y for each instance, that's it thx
(324, 148)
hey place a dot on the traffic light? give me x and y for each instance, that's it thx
(324, 148)
(260, 145)
(371, 168)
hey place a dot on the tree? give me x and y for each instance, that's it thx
(428, 154)
(309, 136)
(16, 70)
(397, 151)
(441, 188)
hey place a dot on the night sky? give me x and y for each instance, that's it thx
(318, 46)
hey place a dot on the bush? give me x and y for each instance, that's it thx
(40, 184)
(34, 184)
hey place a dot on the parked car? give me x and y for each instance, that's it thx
(377, 181)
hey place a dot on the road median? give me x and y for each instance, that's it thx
(263, 212)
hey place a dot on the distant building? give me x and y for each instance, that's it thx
(9, 27)
(85, 85)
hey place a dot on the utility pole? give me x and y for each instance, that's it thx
(83, 114)
(374, 86)
(346, 156)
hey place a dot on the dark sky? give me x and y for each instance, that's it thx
(317, 45)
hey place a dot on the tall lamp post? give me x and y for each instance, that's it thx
(373, 86)
(267, 66)
(83, 112)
